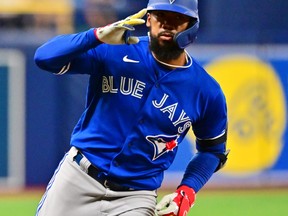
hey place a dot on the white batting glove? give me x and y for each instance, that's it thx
(118, 32)
(166, 205)
(178, 203)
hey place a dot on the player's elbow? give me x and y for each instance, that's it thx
(43, 61)
(40, 59)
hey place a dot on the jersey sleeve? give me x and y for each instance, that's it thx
(59, 54)
(213, 121)
(211, 134)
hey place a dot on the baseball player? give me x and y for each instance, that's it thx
(143, 96)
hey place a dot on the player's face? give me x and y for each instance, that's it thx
(165, 24)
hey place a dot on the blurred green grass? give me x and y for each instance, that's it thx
(242, 203)
(208, 203)
(19, 203)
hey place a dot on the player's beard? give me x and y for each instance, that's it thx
(166, 52)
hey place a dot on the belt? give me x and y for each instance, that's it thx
(94, 173)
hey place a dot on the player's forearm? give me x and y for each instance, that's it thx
(61, 50)
(199, 170)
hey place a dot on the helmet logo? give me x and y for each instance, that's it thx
(172, 1)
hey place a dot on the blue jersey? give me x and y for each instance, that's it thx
(137, 111)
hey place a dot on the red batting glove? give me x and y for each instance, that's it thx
(178, 203)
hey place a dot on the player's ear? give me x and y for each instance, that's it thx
(148, 21)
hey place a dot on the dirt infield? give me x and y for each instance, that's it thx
(21, 193)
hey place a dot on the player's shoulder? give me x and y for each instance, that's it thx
(143, 39)
(197, 66)
(203, 76)
(143, 42)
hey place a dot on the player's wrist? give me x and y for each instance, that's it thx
(96, 36)
(189, 192)
(177, 203)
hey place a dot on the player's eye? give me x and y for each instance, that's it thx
(178, 17)
(158, 15)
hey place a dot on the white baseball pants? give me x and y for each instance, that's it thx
(72, 192)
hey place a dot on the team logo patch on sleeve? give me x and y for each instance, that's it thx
(162, 144)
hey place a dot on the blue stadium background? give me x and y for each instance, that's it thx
(54, 103)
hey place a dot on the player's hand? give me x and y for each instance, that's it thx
(178, 203)
(119, 32)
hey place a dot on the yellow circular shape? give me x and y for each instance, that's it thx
(256, 112)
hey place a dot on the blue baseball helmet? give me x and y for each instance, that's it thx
(186, 7)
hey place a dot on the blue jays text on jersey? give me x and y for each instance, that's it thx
(137, 111)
